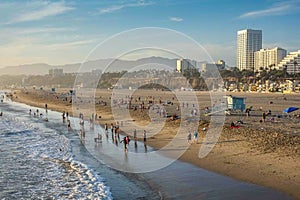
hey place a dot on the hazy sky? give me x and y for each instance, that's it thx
(61, 32)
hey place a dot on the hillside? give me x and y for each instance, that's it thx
(103, 64)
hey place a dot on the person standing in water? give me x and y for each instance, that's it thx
(63, 117)
(106, 130)
(145, 136)
(112, 130)
(69, 125)
(125, 142)
(134, 134)
(99, 138)
(82, 134)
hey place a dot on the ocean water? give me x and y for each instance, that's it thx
(36, 162)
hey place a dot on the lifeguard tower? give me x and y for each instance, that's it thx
(230, 106)
(235, 104)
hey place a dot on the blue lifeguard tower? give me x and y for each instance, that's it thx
(232, 105)
(236, 103)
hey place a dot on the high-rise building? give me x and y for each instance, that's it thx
(268, 58)
(248, 41)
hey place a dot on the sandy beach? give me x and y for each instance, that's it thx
(262, 153)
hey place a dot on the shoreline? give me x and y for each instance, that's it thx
(112, 178)
(236, 155)
(163, 183)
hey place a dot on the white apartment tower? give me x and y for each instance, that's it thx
(268, 58)
(248, 41)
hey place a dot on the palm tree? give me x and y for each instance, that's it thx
(285, 71)
(272, 66)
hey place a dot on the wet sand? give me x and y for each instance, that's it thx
(262, 153)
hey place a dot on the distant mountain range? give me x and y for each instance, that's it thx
(114, 65)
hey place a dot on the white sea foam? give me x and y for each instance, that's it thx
(37, 162)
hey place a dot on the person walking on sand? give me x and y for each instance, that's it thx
(46, 108)
(264, 117)
(196, 136)
(189, 138)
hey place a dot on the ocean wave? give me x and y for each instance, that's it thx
(38, 163)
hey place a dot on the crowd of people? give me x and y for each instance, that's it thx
(112, 131)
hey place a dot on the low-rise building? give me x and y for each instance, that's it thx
(208, 67)
(291, 62)
(184, 64)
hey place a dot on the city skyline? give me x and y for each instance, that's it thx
(63, 32)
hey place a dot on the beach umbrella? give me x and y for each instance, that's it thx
(290, 109)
